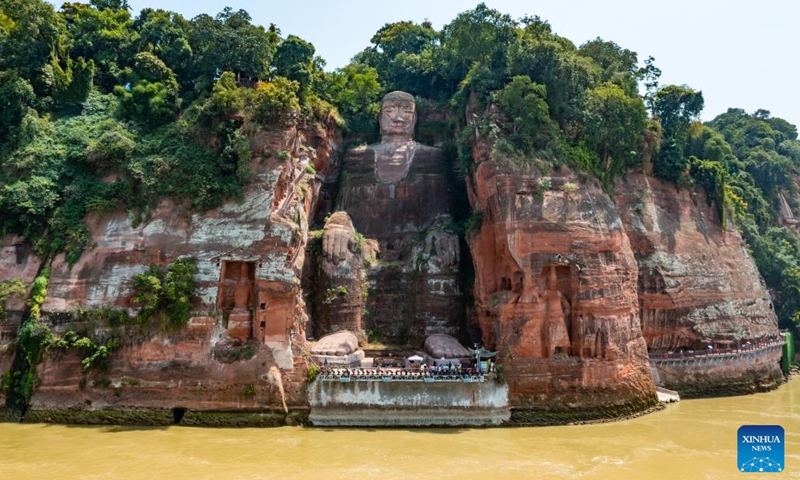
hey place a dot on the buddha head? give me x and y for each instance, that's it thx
(398, 116)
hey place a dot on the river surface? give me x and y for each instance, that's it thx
(694, 439)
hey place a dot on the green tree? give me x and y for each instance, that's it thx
(618, 65)
(165, 295)
(555, 63)
(770, 170)
(403, 54)
(105, 36)
(26, 205)
(482, 36)
(17, 97)
(166, 35)
(355, 90)
(524, 101)
(152, 97)
(711, 175)
(273, 100)
(676, 107)
(75, 83)
(33, 37)
(615, 126)
(230, 42)
(294, 59)
(110, 4)
(403, 37)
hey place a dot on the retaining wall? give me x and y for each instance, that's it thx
(406, 403)
(720, 375)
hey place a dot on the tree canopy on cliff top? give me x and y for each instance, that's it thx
(104, 110)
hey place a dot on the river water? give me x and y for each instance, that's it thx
(694, 439)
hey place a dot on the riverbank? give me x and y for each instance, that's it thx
(689, 439)
(165, 418)
(537, 418)
(301, 416)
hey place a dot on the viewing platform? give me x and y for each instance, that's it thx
(399, 397)
(747, 350)
(739, 370)
(344, 375)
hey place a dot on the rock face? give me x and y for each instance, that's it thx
(698, 289)
(578, 290)
(251, 311)
(556, 293)
(397, 192)
(697, 284)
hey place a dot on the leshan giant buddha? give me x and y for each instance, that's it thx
(397, 193)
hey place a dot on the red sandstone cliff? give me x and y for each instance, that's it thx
(249, 255)
(555, 292)
(574, 286)
(697, 284)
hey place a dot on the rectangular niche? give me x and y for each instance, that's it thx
(237, 286)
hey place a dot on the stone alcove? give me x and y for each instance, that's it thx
(236, 298)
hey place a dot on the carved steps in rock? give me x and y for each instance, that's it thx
(459, 174)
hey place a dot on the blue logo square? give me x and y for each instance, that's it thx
(760, 448)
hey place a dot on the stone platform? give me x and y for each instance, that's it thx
(408, 404)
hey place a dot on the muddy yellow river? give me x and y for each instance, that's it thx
(695, 439)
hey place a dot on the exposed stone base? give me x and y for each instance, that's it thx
(160, 418)
(721, 376)
(422, 417)
(533, 417)
(742, 386)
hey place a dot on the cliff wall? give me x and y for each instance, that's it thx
(698, 286)
(243, 348)
(574, 286)
(555, 293)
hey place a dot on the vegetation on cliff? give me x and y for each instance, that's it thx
(165, 296)
(104, 110)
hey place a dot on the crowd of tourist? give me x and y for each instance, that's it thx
(724, 349)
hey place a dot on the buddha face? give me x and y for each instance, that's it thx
(397, 119)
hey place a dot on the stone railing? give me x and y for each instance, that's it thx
(344, 375)
(743, 351)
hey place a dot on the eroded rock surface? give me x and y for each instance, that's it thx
(698, 287)
(556, 293)
(250, 314)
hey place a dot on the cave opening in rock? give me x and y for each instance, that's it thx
(177, 415)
